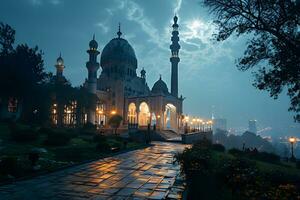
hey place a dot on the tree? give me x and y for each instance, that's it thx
(21, 72)
(7, 38)
(273, 26)
(115, 121)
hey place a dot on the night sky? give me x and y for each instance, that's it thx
(208, 77)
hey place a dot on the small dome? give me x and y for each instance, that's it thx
(93, 43)
(160, 87)
(117, 51)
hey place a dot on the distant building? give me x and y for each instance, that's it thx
(252, 126)
(219, 123)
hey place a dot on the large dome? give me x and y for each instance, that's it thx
(118, 51)
(160, 87)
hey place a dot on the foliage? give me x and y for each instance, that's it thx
(212, 174)
(115, 121)
(264, 156)
(99, 138)
(21, 72)
(235, 152)
(33, 157)
(8, 165)
(196, 158)
(7, 38)
(273, 26)
(218, 147)
(23, 133)
(256, 155)
(298, 164)
(58, 138)
(75, 154)
(88, 129)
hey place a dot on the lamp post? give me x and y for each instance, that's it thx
(186, 119)
(292, 140)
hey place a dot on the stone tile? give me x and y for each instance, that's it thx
(126, 191)
(141, 174)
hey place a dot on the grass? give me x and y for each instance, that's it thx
(80, 149)
(213, 174)
(265, 167)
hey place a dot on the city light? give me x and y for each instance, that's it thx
(292, 139)
(113, 112)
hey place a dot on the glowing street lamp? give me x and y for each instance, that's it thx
(292, 140)
(113, 112)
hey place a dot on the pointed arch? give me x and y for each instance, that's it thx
(144, 114)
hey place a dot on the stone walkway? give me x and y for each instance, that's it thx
(141, 174)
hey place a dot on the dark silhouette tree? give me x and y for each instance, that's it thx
(7, 38)
(273, 26)
(115, 122)
(21, 72)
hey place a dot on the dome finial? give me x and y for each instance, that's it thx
(94, 36)
(175, 19)
(159, 76)
(119, 33)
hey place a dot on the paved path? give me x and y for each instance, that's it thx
(141, 174)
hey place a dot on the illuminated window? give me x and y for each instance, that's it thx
(70, 113)
(12, 105)
(54, 113)
(100, 114)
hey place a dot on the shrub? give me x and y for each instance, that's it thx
(24, 135)
(218, 147)
(103, 146)
(74, 154)
(102, 143)
(58, 138)
(8, 165)
(99, 138)
(264, 156)
(45, 130)
(235, 152)
(33, 157)
(298, 164)
(89, 126)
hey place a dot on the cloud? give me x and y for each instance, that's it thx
(103, 26)
(41, 2)
(177, 6)
(134, 12)
(55, 2)
(35, 2)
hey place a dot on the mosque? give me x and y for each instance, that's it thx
(121, 91)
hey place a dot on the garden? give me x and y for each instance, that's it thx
(26, 151)
(211, 172)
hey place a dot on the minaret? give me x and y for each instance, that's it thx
(92, 65)
(59, 67)
(174, 58)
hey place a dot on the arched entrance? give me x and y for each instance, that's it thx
(132, 115)
(170, 117)
(144, 114)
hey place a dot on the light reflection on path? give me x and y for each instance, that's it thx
(141, 174)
